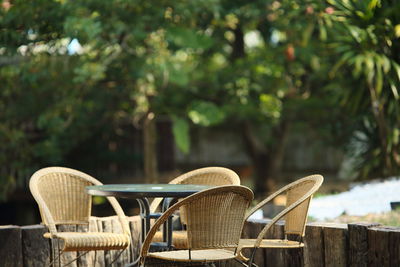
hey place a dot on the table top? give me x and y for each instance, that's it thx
(145, 190)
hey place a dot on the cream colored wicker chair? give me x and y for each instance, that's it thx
(203, 176)
(215, 220)
(62, 199)
(298, 198)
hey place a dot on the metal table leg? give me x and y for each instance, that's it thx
(167, 227)
(145, 216)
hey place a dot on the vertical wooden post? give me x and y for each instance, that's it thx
(109, 255)
(394, 246)
(88, 258)
(294, 257)
(335, 245)
(35, 248)
(253, 229)
(358, 243)
(10, 246)
(66, 256)
(124, 258)
(135, 226)
(276, 257)
(100, 254)
(314, 255)
(378, 247)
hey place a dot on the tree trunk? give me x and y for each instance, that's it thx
(267, 160)
(238, 44)
(378, 111)
(150, 152)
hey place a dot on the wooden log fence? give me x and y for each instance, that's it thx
(326, 245)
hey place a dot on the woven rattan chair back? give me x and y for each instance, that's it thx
(62, 199)
(203, 176)
(215, 217)
(208, 176)
(214, 176)
(298, 197)
(221, 212)
(295, 220)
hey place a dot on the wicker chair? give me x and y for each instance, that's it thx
(215, 220)
(62, 199)
(298, 198)
(204, 176)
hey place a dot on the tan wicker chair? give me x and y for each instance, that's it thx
(215, 220)
(298, 198)
(62, 199)
(203, 176)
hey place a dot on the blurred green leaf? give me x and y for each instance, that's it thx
(270, 106)
(205, 113)
(180, 129)
(185, 37)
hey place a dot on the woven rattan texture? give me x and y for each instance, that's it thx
(298, 197)
(62, 199)
(204, 176)
(215, 221)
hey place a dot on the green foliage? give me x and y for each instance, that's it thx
(180, 129)
(205, 114)
(364, 36)
(203, 63)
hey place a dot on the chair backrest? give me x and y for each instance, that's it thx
(62, 199)
(295, 220)
(215, 217)
(298, 198)
(208, 176)
(203, 176)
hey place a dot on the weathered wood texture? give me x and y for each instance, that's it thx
(26, 246)
(314, 246)
(335, 245)
(358, 243)
(383, 247)
(326, 245)
(394, 246)
(10, 246)
(35, 248)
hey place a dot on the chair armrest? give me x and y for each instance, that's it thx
(281, 215)
(164, 217)
(265, 201)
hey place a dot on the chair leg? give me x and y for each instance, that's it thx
(241, 262)
(54, 257)
(116, 258)
(250, 262)
(86, 252)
